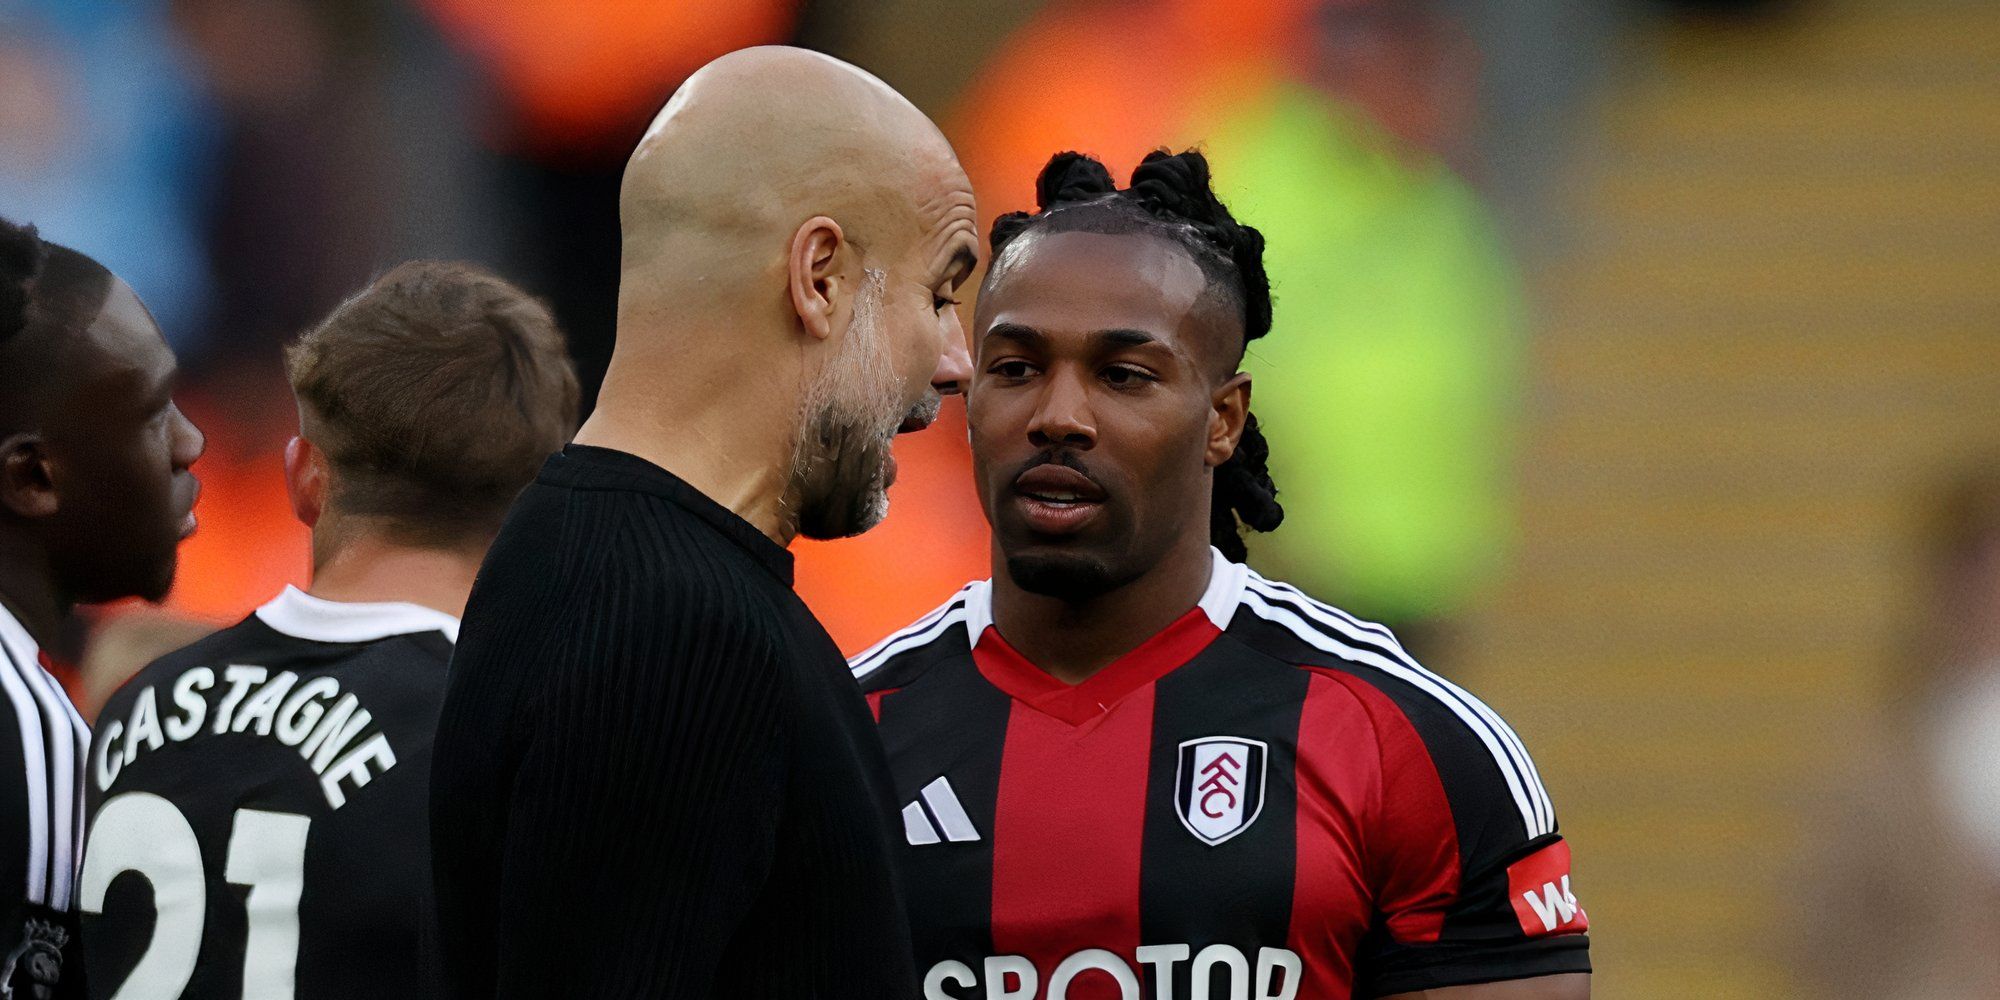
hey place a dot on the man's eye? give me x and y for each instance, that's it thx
(1012, 369)
(1122, 377)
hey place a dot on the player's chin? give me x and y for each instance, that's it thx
(155, 576)
(148, 577)
(1069, 572)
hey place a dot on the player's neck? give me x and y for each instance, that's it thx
(368, 569)
(29, 593)
(735, 454)
(1072, 640)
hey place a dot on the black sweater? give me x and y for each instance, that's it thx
(654, 776)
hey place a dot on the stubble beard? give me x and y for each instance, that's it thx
(846, 420)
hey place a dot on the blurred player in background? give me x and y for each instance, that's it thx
(258, 800)
(1910, 820)
(96, 494)
(1127, 758)
(654, 777)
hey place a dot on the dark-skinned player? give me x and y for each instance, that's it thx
(96, 494)
(1133, 768)
(259, 800)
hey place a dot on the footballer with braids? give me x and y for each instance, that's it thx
(1128, 765)
(1170, 195)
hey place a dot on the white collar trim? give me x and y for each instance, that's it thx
(17, 639)
(978, 610)
(1225, 589)
(303, 616)
(1218, 602)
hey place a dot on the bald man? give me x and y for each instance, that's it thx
(654, 776)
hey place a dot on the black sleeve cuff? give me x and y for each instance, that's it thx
(1435, 967)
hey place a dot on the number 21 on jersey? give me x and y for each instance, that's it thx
(144, 833)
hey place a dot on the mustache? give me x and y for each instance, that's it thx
(925, 412)
(1057, 456)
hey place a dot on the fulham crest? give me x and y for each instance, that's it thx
(1220, 786)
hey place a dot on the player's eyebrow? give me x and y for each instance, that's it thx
(1025, 335)
(1121, 337)
(161, 389)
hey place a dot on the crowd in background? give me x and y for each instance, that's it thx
(245, 164)
(249, 163)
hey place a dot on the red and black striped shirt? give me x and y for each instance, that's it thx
(1268, 800)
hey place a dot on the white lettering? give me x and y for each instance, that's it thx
(1553, 902)
(354, 767)
(321, 746)
(108, 763)
(328, 728)
(1093, 958)
(264, 704)
(193, 705)
(957, 972)
(1202, 972)
(1162, 958)
(1279, 975)
(303, 709)
(1027, 980)
(240, 678)
(145, 726)
(1269, 961)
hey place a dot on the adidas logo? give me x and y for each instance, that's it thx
(949, 816)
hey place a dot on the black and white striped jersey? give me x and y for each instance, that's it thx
(42, 744)
(258, 801)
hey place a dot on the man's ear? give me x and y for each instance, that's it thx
(27, 481)
(816, 274)
(306, 480)
(1229, 410)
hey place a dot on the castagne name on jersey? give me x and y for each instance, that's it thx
(315, 718)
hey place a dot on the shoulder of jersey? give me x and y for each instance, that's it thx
(1283, 622)
(905, 654)
(233, 642)
(255, 639)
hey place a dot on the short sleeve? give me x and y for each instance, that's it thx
(1471, 880)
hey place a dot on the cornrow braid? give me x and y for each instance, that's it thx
(1171, 194)
(22, 254)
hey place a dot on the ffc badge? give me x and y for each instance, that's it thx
(1219, 788)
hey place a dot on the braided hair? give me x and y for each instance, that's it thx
(1170, 196)
(22, 254)
(46, 287)
(49, 294)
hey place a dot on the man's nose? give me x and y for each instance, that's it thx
(1063, 417)
(954, 369)
(189, 442)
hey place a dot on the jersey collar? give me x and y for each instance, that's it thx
(315, 619)
(1218, 602)
(1225, 589)
(1005, 668)
(19, 643)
